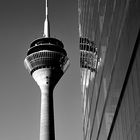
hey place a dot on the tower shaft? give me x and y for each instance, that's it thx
(44, 78)
(47, 131)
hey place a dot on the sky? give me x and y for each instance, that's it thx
(21, 22)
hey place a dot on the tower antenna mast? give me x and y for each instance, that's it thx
(46, 23)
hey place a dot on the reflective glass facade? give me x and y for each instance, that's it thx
(111, 93)
(126, 123)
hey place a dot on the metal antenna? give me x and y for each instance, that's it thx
(46, 23)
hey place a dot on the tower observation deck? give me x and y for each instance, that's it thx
(46, 61)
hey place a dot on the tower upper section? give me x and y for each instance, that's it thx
(46, 57)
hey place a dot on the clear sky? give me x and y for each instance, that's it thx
(21, 22)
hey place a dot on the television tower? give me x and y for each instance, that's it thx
(46, 61)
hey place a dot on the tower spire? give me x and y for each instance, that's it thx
(46, 23)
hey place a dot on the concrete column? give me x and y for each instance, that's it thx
(44, 79)
(47, 131)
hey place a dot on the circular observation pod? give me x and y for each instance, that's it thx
(50, 44)
(46, 53)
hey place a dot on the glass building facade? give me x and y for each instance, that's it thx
(109, 32)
